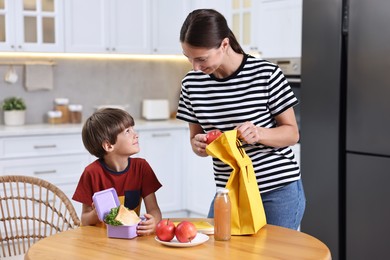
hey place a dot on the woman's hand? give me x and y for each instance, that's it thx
(198, 143)
(248, 133)
(285, 133)
(147, 226)
(198, 140)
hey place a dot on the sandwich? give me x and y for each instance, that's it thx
(121, 215)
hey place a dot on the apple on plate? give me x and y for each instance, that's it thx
(212, 135)
(185, 232)
(165, 230)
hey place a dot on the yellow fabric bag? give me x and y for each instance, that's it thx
(247, 211)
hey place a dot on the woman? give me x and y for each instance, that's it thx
(228, 89)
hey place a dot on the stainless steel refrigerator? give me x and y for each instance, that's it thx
(345, 125)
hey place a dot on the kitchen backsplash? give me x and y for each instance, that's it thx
(93, 82)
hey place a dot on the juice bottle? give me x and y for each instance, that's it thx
(222, 215)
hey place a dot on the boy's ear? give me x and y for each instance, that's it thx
(107, 146)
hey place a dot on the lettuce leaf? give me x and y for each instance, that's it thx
(110, 217)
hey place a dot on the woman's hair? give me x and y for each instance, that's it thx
(207, 28)
(104, 125)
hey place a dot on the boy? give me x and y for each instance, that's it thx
(109, 135)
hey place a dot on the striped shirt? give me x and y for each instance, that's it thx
(256, 92)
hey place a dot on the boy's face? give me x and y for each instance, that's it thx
(127, 142)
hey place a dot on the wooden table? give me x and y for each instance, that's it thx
(271, 242)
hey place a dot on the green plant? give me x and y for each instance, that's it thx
(14, 103)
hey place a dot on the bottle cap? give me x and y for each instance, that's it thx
(223, 190)
(75, 107)
(61, 101)
(54, 114)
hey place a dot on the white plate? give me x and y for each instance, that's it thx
(199, 239)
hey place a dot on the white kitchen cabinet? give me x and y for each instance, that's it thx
(167, 20)
(199, 183)
(56, 153)
(162, 148)
(243, 24)
(279, 28)
(57, 158)
(107, 26)
(221, 6)
(187, 179)
(124, 26)
(297, 151)
(31, 26)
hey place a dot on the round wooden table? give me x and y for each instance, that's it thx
(88, 242)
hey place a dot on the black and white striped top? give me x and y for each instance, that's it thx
(256, 92)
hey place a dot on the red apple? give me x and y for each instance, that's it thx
(165, 230)
(185, 231)
(212, 135)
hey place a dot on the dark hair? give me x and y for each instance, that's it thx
(207, 28)
(104, 125)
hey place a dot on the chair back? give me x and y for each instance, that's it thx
(31, 209)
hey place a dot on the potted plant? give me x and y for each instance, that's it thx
(14, 111)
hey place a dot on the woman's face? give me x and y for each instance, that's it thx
(203, 59)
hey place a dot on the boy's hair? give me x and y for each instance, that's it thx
(104, 125)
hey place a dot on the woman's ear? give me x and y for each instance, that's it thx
(107, 146)
(225, 43)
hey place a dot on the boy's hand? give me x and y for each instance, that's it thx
(147, 226)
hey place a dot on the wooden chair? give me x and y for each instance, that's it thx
(31, 209)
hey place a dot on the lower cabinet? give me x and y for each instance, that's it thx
(187, 179)
(59, 159)
(199, 182)
(162, 148)
(297, 152)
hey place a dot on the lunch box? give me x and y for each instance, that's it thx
(104, 201)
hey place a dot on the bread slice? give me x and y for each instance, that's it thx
(127, 217)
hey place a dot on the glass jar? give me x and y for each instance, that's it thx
(54, 117)
(61, 104)
(75, 113)
(222, 215)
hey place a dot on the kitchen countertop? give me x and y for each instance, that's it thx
(48, 129)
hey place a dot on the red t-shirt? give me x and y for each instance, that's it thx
(135, 182)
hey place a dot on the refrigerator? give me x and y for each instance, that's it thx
(345, 125)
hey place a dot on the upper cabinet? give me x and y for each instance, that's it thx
(166, 23)
(271, 28)
(221, 6)
(31, 25)
(243, 24)
(124, 26)
(279, 28)
(113, 26)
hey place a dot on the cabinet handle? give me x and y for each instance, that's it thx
(161, 135)
(45, 146)
(45, 172)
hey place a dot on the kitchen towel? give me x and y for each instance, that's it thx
(247, 211)
(38, 76)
